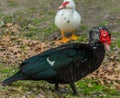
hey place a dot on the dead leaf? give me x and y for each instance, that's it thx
(118, 87)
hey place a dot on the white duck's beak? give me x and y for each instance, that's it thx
(60, 7)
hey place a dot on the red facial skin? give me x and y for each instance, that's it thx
(105, 38)
(63, 5)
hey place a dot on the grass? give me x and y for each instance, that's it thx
(82, 38)
(105, 22)
(33, 28)
(12, 3)
(116, 42)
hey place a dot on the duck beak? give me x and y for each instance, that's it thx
(107, 46)
(60, 7)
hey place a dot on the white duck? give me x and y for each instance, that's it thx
(67, 19)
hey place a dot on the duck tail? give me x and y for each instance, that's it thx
(15, 77)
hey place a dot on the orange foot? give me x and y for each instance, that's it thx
(74, 37)
(64, 40)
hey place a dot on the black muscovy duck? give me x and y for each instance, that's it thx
(67, 63)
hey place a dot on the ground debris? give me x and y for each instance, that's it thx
(15, 50)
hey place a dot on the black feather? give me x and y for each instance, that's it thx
(15, 77)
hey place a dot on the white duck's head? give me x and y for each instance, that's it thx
(68, 4)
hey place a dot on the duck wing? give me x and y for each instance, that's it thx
(46, 64)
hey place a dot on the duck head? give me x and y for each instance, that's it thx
(68, 4)
(100, 34)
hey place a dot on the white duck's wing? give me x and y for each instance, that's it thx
(60, 16)
(76, 19)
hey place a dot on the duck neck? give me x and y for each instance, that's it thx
(70, 11)
(97, 45)
(98, 52)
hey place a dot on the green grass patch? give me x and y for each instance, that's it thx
(83, 27)
(118, 22)
(115, 43)
(36, 21)
(91, 88)
(12, 3)
(82, 38)
(8, 19)
(104, 23)
(118, 42)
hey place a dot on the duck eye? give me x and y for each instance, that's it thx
(65, 3)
